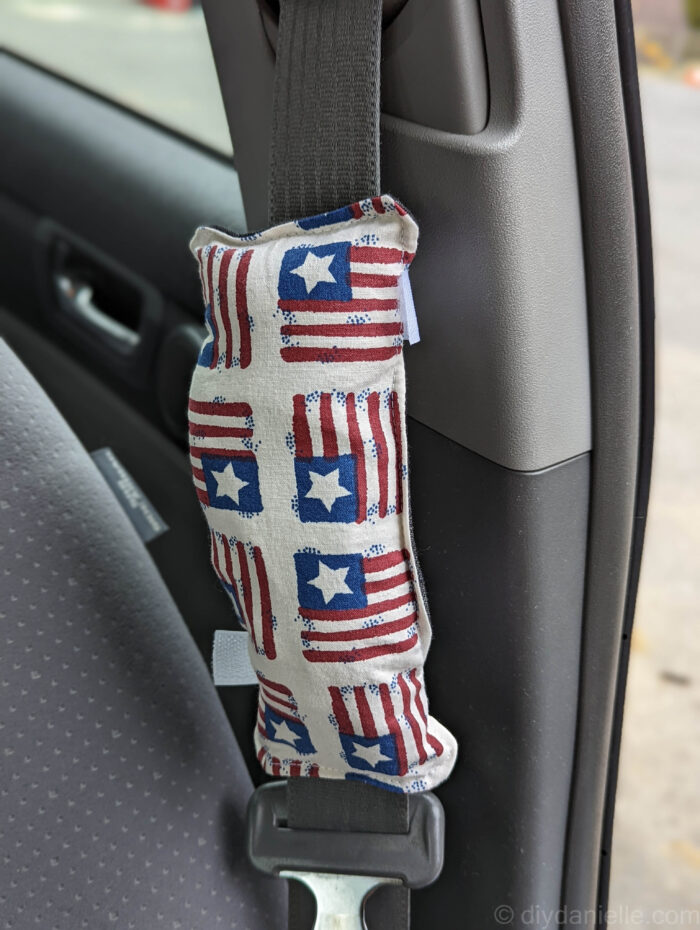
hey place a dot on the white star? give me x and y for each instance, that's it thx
(373, 755)
(326, 488)
(315, 268)
(228, 484)
(283, 733)
(331, 581)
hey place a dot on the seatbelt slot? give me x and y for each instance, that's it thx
(413, 859)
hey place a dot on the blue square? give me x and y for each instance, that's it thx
(291, 732)
(295, 286)
(232, 483)
(340, 572)
(326, 489)
(371, 754)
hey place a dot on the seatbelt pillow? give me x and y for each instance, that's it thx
(298, 451)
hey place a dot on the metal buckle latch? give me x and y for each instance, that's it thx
(343, 868)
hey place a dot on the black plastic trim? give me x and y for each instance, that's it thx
(635, 136)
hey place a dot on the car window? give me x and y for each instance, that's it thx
(149, 58)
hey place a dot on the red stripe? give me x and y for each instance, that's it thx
(198, 474)
(366, 718)
(434, 742)
(214, 324)
(272, 692)
(378, 205)
(340, 711)
(339, 355)
(371, 587)
(381, 449)
(408, 257)
(360, 279)
(399, 209)
(232, 580)
(375, 254)
(313, 771)
(378, 563)
(262, 752)
(225, 453)
(356, 211)
(215, 555)
(276, 766)
(357, 449)
(278, 702)
(300, 425)
(343, 329)
(396, 428)
(275, 699)
(412, 722)
(330, 440)
(373, 610)
(242, 306)
(295, 769)
(360, 655)
(339, 306)
(216, 410)
(228, 561)
(267, 631)
(394, 727)
(201, 430)
(223, 303)
(274, 686)
(369, 632)
(247, 590)
(202, 496)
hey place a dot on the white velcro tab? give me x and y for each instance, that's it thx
(407, 309)
(230, 663)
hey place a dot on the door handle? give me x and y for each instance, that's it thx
(110, 314)
(77, 298)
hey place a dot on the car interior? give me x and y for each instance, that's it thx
(512, 132)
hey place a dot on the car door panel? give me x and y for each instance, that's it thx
(528, 396)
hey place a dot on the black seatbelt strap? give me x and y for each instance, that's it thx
(324, 155)
(325, 130)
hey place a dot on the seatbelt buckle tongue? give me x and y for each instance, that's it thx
(342, 867)
(339, 898)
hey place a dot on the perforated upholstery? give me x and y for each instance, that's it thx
(122, 791)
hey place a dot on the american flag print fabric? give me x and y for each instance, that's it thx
(281, 728)
(224, 466)
(339, 302)
(224, 276)
(356, 608)
(348, 452)
(241, 570)
(297, 415)
(383, 727)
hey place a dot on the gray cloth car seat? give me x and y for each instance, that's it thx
(122, 790)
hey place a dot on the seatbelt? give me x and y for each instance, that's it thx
(341, 838)
(325, 130)
(324, 154)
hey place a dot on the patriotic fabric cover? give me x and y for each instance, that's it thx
(298, 453)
